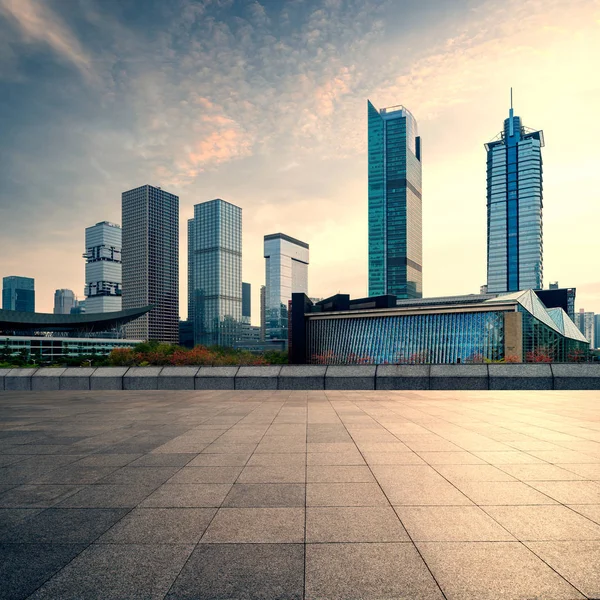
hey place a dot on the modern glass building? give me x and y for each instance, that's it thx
(246, 303)
(215, 272)
(286, 272)
(18, 293)
(468, 329)
(151, 262)
(64, 302)
(596, 332)
(395, 203)
(514, 208)
(103, 268)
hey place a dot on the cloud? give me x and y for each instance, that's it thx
(39, 24)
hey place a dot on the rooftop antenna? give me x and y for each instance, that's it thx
(511, 129)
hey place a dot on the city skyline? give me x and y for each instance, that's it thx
(295, 153)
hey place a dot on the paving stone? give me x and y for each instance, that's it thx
(492, 570)
(273, 474)
(353, 524)
(502, 493)
(177, 495)
(160, 526)
(450, 524)
(24, 567)
(265, 495)
(37, 496)
(12, 516)
(163, 460)
(135, 572)
(337, 572)
(220, 460)
(345, 494)
(243, 572)
(206, 475)
(147, 476)
(64, 526)
(570, 492)
(544, 523)
(108, 496)
(339, 474)
(256, 525)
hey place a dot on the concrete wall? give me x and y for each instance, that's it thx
(310, 377)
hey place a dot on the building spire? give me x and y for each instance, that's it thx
(511, 100)
(511, 129)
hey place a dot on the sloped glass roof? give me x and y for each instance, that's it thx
(555, 318)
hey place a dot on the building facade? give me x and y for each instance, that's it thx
(467, 329)
(64, 302)
(246, 303)
(556, 297)
(586, 323)
(286, 272)
(597, 332)
(215, 272)
(151, 262)
(103, 267)
(514, 208)
(18, 293)
(263, 312)
(395, 203)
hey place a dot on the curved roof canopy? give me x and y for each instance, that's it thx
(12, 320)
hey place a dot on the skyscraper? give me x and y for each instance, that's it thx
(514, 208)
(246, 303)
(596, 331)
(395, 203)
(286, 267)
(103, 268)
(18, 293)
(64, 301)
(215, 272)
(586, 322)
(263, 312)
(151, 262)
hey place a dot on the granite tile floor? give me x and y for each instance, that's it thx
(318, 495)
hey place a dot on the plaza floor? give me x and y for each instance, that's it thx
(290, 495)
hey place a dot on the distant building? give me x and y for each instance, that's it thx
(483, 289)
(186, 334)
(79, 308)
(586, 322)
(215, 272)
(103, 267)
(263, 308)
(514, 208)
(395, 203)
(246, 303)
(286, 267)
(559, 298)
(18, 293)
(553, 285)
(64, 302)
(151, 262)
(597, 332)
(468, 329)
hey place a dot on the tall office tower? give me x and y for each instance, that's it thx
(586, 324)
(151, 262)
(514, 208)
(18, 293)
(263, 308)
(597, 332)
(286, 266)
(395, 204)
(246, 303)
(64, 302)
(103, 268)
(215, 272)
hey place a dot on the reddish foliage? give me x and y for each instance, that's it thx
(540, 355)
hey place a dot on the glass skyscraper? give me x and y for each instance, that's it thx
(64, 302)
(215, 272)
(18, 293)
(395, 203)
(246, 303)
(151, 262)
(286, 271)
(514, 208)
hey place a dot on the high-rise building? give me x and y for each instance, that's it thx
(286, 267)
(586, 321)
(597, 332)
(263, 315)
(151, 262)
(514, 208)
(395, 203)
(215, 272)
(103, 268)
(246, 303)
(64, 302)
(18, 293)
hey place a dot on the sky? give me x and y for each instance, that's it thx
(264, 104)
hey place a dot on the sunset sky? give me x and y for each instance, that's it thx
(264, 104)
